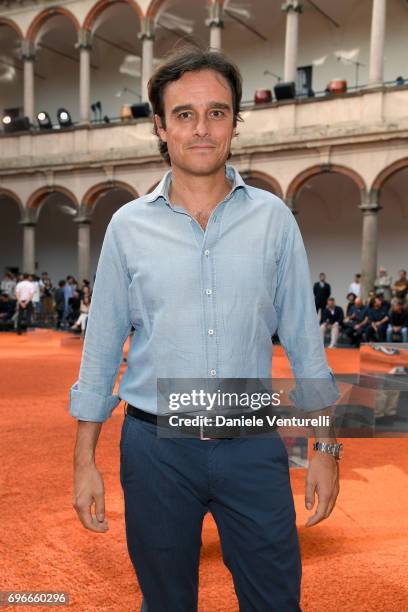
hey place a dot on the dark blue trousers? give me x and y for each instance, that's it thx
(170, 484)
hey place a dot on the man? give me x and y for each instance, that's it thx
(24, 295)
(35, 281)
(7, 308)
(351, 298)
(400, 287)
(8, 285)
(355, 286)
(47, 300)
(355, 324)
(383, 284)
(206, 269)
(332, 318)
(59, 298)
(377, 316)
(322, 291)
(397, 323)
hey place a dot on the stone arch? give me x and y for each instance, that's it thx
(12, 25)
(303, 176)
(12, 196)
(155, 6)
(37, 198)
(91, 196)
(387, 173)
(264, 177)
(101, 5)
(46, 14)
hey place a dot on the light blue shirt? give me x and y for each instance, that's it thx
(204, 304)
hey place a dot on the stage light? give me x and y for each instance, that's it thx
(44, 121)
(15, 124)
(64, 118)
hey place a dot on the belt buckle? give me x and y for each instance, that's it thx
(202, 433)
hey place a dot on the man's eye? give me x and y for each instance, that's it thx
(217, 113)
(184, 115)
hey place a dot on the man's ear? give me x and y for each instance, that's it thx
(159, 128)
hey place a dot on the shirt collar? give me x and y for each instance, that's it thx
(162, 188)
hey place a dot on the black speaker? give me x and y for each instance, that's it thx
(285, 91)
(140, 110)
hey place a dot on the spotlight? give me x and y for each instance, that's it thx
(64, 118)
(15, 124)
(97, 111)
(44, 121)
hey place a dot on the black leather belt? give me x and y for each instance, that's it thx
(200, 431)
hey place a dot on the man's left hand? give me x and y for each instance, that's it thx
(322, 478)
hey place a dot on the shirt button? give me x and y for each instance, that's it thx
(208, 291)
(210, 332)
(213, 372)
(206, 252)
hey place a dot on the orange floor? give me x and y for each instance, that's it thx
(354, 561)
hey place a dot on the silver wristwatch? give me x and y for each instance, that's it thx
(327, 447)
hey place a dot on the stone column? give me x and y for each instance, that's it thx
(146, 35)
(215, 23)
(84, 45)
(292, 8)
(29, 221)
(28, 57)
(376, 70)
(84, 244)
(369, 242)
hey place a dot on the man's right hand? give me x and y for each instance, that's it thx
(89, 497)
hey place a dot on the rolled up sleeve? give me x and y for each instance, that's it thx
(298, 326)
(108, 326)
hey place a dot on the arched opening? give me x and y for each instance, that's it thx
(10, 233)
(178, 22)
(331, 224)
(103, 201)
(391, 186)
(261, 180)
(116, 56)
(54, 34)
(56, 235)
(11, 66)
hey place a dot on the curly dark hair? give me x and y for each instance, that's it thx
(190, 59)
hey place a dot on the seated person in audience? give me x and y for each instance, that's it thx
(400, 287)
(351, 298)
(377, 314)
(83, 317)
(370, 297)
(355, 323)
(74, 304)
(7, 310)
(332, 318)
(386, 303)
(397, 328)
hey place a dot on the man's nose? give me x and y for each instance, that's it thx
(201, 126)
